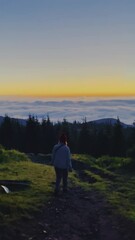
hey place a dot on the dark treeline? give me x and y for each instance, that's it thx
(87, 138)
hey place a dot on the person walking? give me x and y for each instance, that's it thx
(61, 160)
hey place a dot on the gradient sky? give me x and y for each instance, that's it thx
(67, 47)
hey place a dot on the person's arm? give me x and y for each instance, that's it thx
(53, 155)
(69, 160)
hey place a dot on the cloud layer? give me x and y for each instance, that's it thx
(74, 109)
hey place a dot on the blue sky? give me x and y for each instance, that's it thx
(67, 47)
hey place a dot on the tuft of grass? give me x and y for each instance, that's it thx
(87, 159)
(11, 155)
(112, 163)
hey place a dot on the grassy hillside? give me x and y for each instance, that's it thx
(114, 177)
(22, 203)
(111, 176)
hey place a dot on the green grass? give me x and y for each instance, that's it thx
(18, 204)
(111, 176)
(11, 156)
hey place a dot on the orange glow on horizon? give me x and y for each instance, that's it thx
(69, 87)
(68, 95)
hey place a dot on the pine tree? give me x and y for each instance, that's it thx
(32, 134)
(84, 139)
(118, 140)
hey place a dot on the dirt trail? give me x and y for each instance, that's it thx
(78, 215)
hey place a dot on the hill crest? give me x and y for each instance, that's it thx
(102, 121)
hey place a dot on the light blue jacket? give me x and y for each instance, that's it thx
(61, 157)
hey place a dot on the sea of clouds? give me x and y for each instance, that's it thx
(70, 109)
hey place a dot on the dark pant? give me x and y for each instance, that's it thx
(61, 174)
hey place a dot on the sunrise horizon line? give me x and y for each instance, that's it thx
(64, 95)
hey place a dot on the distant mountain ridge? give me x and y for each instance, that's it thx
(21, 121)
(105, 121)
(110, 121)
